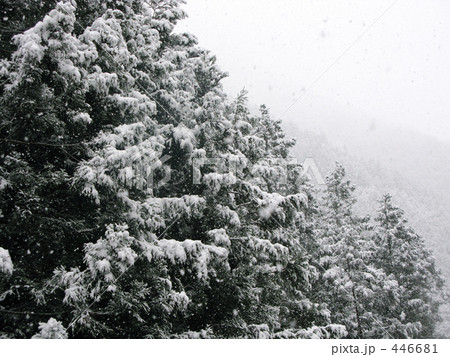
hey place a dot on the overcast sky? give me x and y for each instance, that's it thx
(397, 72)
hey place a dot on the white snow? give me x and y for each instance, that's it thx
(51, 329)
(6, 265)
(82, 117)
(184, 137)
(220, 237)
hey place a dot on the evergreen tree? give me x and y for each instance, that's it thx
(401, 253)
(352, 286)
(137, 200)
(44, 221)
(101, 126)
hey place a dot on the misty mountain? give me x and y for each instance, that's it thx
(414, 168)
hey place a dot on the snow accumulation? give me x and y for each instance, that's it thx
(82, 117)
(230, 216)
(267, 210)
(33, 43)
(315, 332)
(184, 137)
(4, 67)
(51, 329)
(113, 251)
(101, 82)
(266, 246)
(214, 180)
(6, 265)
(72, 294)
(67, 67)
(220, 237)
(135, 103)
(180, 252)
(3, 183)
(332, 273)
(260, 331)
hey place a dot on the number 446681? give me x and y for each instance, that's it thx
(415, 348)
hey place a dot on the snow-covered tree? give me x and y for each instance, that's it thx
(402, 254)
(352, 285)
(137, 200)
(51, 329)
(6, 265)
(106, 109)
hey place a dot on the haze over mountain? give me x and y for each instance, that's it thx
(387, 59)
(414, 168)
(415, 175)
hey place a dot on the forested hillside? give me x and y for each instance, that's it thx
(139, 201)
(425, 204)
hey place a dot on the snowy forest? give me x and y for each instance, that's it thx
(138, 200)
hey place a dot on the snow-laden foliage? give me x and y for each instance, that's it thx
(365, 292)
(52, 329)
(402, 254)
(6, 265)
(140, 201)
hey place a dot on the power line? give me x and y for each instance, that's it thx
(337, 59)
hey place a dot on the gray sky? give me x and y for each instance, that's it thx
(398, 72)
